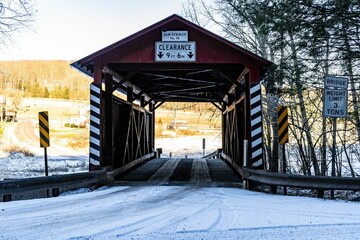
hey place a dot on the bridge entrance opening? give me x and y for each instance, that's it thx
(187, 129)
(171, 61)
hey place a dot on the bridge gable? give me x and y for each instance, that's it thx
(140, 47)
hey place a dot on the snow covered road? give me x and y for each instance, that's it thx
(178, 212)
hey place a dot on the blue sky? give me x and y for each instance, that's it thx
(72, 29)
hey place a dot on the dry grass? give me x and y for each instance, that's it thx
(12, 149)
(73, 138)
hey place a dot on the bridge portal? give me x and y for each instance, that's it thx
(173, 60)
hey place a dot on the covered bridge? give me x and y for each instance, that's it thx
(172, 60)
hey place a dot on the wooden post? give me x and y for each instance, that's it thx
(142, 101)
(130, 94)
(108, 155)
(152, 126)
(223, 126)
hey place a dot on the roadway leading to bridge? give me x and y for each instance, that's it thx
(183, 171)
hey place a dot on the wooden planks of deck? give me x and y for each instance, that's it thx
(182, 170)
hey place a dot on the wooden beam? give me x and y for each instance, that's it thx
(232, 106)
(108, 119)
(239, 79)
(186, 98)
(158, 105)
(122, 81)
(190, 89)
(162, 77)
(118, 77)
(217, 106)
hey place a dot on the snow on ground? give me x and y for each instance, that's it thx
(16, 165)
(190, 146)
(19, 166)
(178, 212)
(61, 160)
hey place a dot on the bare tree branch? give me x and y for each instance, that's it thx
(15, 15)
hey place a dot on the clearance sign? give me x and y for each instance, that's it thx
(175, 47)
(175, 51)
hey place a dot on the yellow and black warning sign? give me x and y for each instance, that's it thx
(44, 129)
(283, 124)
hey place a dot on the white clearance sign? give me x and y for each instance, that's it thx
(335, 103)
(175, 51)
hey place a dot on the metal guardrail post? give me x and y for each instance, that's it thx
(55, 192)
(6, 197)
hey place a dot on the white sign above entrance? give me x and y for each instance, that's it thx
(175, 36)
(175, 51)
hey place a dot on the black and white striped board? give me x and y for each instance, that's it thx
(256, 126)
(94, 125)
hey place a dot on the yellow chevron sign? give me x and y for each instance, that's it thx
(44, 129)
(283, 124)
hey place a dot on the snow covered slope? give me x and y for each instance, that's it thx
(178, 212)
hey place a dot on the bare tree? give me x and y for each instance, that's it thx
(15, 15)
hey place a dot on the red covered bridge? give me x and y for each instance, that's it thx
(172, 60)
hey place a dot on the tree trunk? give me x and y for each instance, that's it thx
(324, 139)
(305, 123)
(272, 102)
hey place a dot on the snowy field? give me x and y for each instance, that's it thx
(178, 212)
(16, 165)
(190, 146)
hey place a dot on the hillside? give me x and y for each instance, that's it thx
(47, 79)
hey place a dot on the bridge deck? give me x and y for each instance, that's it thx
(183, 171)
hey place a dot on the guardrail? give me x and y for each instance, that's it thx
(294, 180)
(55, 183)
(301, 181)
(214, 154)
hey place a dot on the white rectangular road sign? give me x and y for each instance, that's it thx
(175, 51)
(175, 36)
(336, 82)
(335, 103)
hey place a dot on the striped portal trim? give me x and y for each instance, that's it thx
(256, 126)
(94, 125)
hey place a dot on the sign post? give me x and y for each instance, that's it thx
(335, 106)
(44, 136)
(203, 146)
(283, 133)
